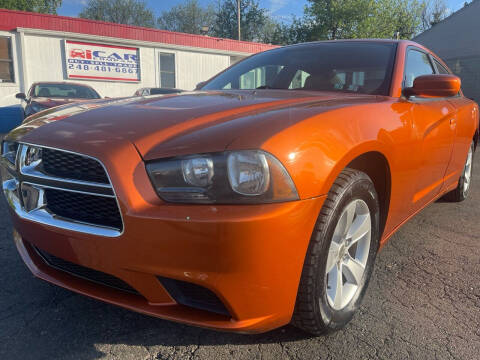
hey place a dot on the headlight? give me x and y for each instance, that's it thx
(36, 107)
(247, 176)
(9, 152)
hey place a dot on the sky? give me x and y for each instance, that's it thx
(279, 9)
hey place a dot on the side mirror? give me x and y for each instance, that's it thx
(200, 85)
(434, 86)
(21, 96)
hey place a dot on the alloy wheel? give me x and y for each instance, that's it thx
(348, 254)
(467, 172)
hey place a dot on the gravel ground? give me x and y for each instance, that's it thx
(423, 303)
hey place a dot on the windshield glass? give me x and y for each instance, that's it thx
(359, 67)
(64, 91)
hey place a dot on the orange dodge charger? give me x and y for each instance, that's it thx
(260, 199)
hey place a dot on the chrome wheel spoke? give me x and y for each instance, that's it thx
(337, 286)
(353, 271)
(360, 227)
(332, 255)
(349, 216)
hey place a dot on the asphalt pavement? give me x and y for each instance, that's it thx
(423, 303)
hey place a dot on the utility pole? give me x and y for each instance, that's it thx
(238, 20)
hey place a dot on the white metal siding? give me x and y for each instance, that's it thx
(44, 61)
(193, 67)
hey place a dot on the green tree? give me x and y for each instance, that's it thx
(252, 21)
(129, 12)
(338, 19)
(188, 17)
(41, 6)
(434, 12)
(279, 33)
(345, 19)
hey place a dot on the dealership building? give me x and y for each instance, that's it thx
(114, 59)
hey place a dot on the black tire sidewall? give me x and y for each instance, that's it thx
(360, 189)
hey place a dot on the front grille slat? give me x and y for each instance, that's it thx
(84, 272)
(92, 209)
(72, 166)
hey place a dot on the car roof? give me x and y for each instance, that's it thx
(387, 41)
(59, 83)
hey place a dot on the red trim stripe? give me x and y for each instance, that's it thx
(99, 78)
(102, 45)
(10, 20)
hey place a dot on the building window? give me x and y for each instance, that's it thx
(167, 70)
(6, 60)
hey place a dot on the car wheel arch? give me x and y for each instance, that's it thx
(373, 161)
(377, 167)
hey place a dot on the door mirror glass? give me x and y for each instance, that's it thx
(21, 96)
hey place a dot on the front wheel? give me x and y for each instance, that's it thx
(341, 255)
(464, 183)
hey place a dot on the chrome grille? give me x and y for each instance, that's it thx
(48, 186)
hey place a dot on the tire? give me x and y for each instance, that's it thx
(465, 181)
(317, 310)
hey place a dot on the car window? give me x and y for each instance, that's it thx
(342, 66)
(418, 63)
(262, 76)
(298, 81)
(441, 69)
(64, 91)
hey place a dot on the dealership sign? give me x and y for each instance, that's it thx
(101, 62)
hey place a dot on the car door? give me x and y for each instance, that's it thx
(463, 131)
(433, 126)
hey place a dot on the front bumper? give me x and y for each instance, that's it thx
(251, 257)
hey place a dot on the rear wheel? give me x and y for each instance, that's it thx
(341, 255)
(463, 188)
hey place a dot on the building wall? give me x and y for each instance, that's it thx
(44, 60)
(191, 67)
(457, 41)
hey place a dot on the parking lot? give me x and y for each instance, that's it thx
(423, 303)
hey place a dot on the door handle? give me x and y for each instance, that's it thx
(453, 121)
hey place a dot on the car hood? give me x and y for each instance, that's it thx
(179, 124)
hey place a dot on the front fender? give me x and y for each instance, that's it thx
(316, 150)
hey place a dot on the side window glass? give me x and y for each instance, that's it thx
(418, 64)
(298, 80)
(258, 77)
(441, 69)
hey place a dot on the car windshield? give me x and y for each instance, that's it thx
(64, 91)
(358, 67)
